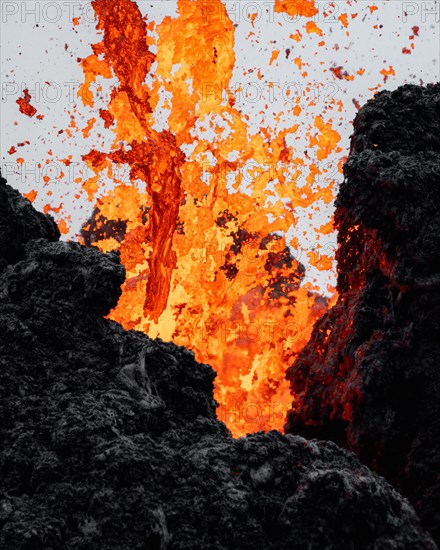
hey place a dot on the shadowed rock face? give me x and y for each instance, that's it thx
(369, 379)
(19, 223)
(109, 440)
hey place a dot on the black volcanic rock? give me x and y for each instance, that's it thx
(109, 440)
(369, 379)
(20, 223)
(404, 120)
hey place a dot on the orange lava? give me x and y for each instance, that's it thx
(294, 8)
(208, 206)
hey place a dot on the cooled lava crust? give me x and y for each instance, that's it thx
(369, 378)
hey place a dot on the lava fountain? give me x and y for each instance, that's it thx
(206, 253)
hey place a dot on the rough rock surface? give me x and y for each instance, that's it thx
(109, 441)
(369, 379)
(19, 222)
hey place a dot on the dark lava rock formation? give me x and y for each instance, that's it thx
(20, 223)
(369, 379)
(109, 440)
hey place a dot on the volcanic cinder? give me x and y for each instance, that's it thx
(369, 379)
(109, 440)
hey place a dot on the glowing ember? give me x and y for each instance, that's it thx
(24, 104)
(294, 8)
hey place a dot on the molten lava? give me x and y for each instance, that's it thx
(205, 249)
(207, 261)
(24, 104)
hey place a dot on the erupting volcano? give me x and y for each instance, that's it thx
(209, 206)
(136, 364)
(110, 440)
